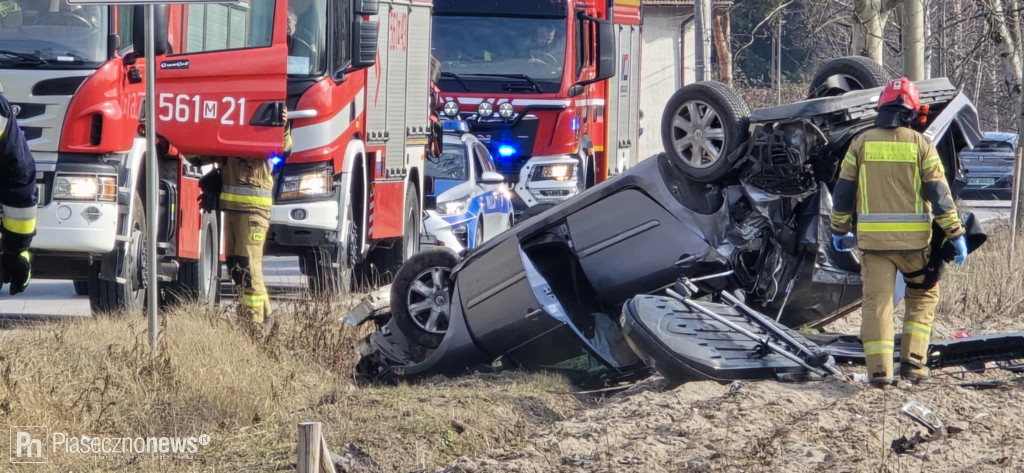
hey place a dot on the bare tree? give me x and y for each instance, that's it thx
(722, 31)
(869, 18)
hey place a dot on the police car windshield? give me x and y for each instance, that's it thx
(468, 45)
(453, 163)
(57, 33)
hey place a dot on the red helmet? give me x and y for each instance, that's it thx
(901, 92)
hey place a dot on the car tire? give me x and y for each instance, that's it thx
(854, 73)
(534, 211)
(199, 280)
(421, 294)
(478, 235)
(82, 287)
(130, 296)
(703, 124)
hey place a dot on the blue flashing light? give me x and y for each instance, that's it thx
(575, 124)
(506, 151)
(456, 126)
(276, 160)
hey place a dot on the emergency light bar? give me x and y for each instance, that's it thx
(456, 126)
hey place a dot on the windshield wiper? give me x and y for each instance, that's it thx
(535, 84)
(458, 78)
(24, 57)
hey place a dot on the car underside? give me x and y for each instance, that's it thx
(699, 263)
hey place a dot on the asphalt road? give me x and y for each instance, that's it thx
(52, 298)
(46, 299)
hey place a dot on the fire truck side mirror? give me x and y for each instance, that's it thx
(364, 43)
(159, 29)
(605, 50)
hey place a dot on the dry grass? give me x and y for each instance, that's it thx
(98, 377)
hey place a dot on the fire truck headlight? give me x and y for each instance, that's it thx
(485, 109)
(451, 109)
(506, 110)
(84, 187)
(553, 172)
(314, 183)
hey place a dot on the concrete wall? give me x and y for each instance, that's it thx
(666, 65)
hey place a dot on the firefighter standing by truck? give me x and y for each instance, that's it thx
(893, 180)
(18, 200)
(243, 188)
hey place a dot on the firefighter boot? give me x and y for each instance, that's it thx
(876, 331)
(917, 324)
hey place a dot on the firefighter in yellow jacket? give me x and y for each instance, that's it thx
(893, 181)
(244, 189)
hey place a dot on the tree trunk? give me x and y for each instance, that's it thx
(913, 39)
(722, 32)
(869, 27)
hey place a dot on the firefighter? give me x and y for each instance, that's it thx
(893, 181)
(243, 188)
(18, 199)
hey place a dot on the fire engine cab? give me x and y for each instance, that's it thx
(550, 86)
(355, 77)
(347, 199)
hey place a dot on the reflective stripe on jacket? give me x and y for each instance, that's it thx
(893, 180)
(18, 197)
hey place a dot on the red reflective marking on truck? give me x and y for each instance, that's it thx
(398, 23)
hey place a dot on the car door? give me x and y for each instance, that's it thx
(220, 89)
(491, 205)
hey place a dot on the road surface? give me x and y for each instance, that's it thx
(46, 299)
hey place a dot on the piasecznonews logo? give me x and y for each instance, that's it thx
(36, 444)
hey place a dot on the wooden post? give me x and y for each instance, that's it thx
(309, 447)
(314, 456)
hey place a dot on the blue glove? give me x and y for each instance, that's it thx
(961, 250)
(837, 242)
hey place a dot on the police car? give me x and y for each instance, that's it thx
(467, 201)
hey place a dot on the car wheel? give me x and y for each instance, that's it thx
(478, 237)
(702, 125)
(842, 75)
(421, 295)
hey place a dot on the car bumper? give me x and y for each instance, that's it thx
(76, 227)
(450, 231)
(532, 193)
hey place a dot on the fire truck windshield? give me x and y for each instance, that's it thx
(493, 46)
(52, 33)
(307, 38)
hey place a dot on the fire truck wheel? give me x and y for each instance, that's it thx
(703, 124)
(129, 296)
(331, 272)
(844, 74)
(199, 280)
(387, 261)
(421, 294)
(82, 287)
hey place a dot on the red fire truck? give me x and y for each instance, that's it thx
(346, 200)
(77, 89)
(551, 87)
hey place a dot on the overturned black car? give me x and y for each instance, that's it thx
(696, 262)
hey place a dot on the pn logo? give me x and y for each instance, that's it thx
(28, 444)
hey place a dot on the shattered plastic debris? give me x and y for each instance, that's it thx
(922, 415)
